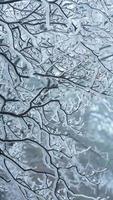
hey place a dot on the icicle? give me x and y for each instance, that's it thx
(47, 10)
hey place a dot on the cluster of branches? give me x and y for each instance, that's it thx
(53, 62)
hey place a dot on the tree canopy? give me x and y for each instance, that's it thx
(56, 67)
